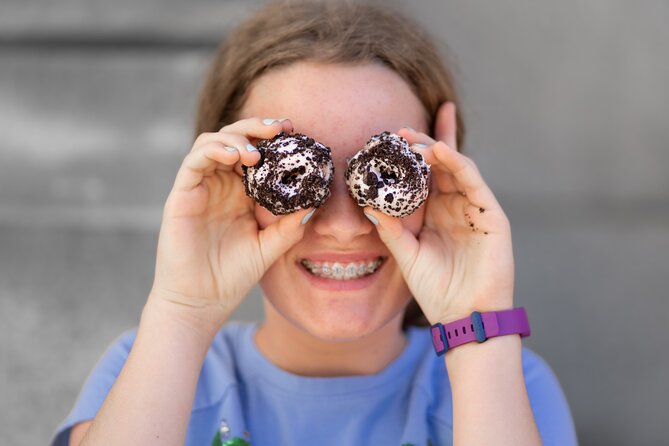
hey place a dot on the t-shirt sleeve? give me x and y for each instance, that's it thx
(97, 386)
(549, 404)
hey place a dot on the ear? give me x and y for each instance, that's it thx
(445, 125)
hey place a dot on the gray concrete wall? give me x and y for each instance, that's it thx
(566, 106)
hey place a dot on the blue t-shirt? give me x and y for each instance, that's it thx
(251, 401)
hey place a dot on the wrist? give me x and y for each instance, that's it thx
(466, 311)
(502, 349)
(198, 322)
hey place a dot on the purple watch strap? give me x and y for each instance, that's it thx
(493, 323)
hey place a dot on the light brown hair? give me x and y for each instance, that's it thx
(328, 32)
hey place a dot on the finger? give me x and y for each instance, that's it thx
(281, 235)
(401, 243)
(442, 178)
(249, 155)
(203, 161)
(466, 176)
(414, 137)
(258, 128)
(421, 143)
(446, 125)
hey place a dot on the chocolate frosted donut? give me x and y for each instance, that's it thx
(387, 175)
(294, 172)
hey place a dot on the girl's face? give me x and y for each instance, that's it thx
(341, 106)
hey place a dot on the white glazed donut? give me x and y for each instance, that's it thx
(387, 175)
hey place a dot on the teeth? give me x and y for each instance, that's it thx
(339, 271)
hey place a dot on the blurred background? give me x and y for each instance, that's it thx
(567, 110)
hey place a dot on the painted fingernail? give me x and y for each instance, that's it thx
(306, 218)
(250, 148)
(419, 145)
(372, 218)
(230, 149)
(269, 121)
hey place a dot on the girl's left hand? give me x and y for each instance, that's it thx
(462, 259)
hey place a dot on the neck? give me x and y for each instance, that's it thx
(296, 351)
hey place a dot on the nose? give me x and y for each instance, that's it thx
(340, 218)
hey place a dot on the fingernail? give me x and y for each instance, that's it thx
(230, 149)
(372, 218)
(250, 148)
(306, 218)
(269, 121)
(283, 119)
(419, 145)
(409, 128)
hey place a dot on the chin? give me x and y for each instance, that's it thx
(341, 329)
(338, 319)
(333, 311)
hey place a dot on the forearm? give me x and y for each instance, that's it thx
(152, 398)
(490, 402)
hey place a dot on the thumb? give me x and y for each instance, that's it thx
(281, 235)
(399, 240)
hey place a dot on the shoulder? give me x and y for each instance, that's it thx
(431, 369)
(217, 376)
(543, 387)
(549, 404)
(97, 385)
(219, 369)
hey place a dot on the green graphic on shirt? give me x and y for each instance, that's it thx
(235, 441)
(429, 443)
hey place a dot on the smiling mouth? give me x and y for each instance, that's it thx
(342, 270)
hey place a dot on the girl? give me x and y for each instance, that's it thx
(334, 361)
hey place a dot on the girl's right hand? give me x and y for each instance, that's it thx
(210, 249)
